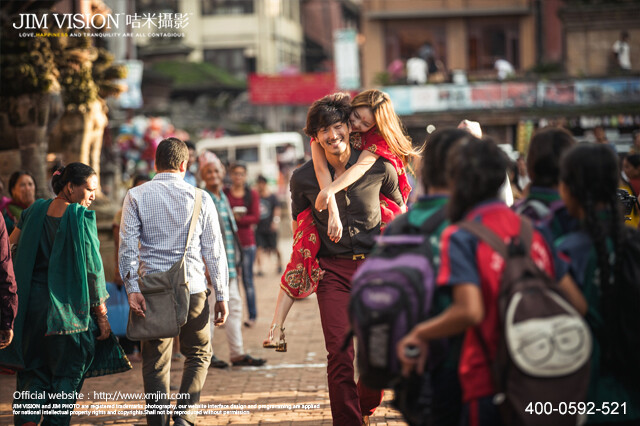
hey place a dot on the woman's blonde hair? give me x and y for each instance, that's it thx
(388, 123)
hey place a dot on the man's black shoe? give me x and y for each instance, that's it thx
(217, 363)
(249, 361)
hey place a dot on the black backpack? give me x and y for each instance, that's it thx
(544, 350)
(391, 292)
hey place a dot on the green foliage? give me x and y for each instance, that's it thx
(382, 79)
(104, 73)
(546, 68)
(196, 74)
(27, 65)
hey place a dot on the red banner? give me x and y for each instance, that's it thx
(301, 89)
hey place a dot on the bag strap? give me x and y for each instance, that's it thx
(486, 235)
(496, 243)
(194, 218)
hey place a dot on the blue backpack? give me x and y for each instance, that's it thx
(391, 292)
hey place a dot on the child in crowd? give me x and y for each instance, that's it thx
(473, 271)
(543, 203)
(445, 401)
(588, 182)
(377, 132)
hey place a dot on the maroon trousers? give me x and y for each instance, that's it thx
(349, 402)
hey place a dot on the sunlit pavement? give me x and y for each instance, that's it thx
(257, 395)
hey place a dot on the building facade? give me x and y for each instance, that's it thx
(468, 35)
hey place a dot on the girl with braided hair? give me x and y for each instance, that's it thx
(588, 181)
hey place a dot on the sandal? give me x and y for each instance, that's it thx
(282, 344)
(268, 342)
(249, 361)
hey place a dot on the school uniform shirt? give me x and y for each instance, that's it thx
(466, 259)
(561, 223)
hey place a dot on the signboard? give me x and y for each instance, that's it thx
(446, 97)
(347, 59)
(301, 89)
(132, 98)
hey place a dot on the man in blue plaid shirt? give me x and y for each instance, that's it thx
(155, 224)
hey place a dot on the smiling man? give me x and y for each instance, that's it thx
(359, 206)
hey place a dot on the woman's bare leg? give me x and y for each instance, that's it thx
(283, 306)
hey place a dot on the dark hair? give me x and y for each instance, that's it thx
(325, 112)
(434, 156)
(138, 179)
(15, 176)
(476, 170)
(190, 145)
(76, 173)
(170, 154)
(633, 159)
(545, 151)
(234, 166)
(590, 173)
(261, 179)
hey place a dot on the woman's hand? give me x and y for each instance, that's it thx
(322, 200)
(104, 326)
(412, 353)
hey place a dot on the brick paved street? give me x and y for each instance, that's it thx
(295, 377)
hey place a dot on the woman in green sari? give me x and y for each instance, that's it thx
(61, 295)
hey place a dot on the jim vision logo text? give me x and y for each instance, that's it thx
(31, 21)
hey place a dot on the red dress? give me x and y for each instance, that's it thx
(302, 274)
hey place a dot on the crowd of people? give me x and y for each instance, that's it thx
(352, 190)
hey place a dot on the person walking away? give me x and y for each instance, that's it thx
(543, 204)
(473, 271)
(155, 224)
(588, 181)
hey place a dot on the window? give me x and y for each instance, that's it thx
(155, 6)
(247, 155)
(222, 154)
(230, 60)
(490, 40)
(226, 7)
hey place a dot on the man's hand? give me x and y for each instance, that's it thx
(137, 304)
(220, 313)
(6, 336)
(334, 227)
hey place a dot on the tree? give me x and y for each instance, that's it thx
(52, 89)
(30, 99)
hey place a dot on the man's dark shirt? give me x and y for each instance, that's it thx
(359, 205)
(8, 287)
